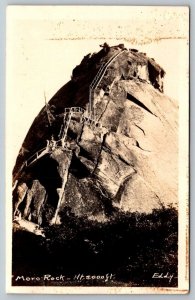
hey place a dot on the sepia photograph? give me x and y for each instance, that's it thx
(97, 105)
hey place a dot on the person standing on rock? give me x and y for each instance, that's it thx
(105, 47)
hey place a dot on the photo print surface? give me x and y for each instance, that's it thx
(97, 149)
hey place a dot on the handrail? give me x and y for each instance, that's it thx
(67, 126)
(108, 66)
(74, 109)
(35, 155)
(99, 77)
(105, 66)
(93, 83)
(91, 121)
(100, 70)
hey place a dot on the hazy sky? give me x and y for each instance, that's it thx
(44, 44)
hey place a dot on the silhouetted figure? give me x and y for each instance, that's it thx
(105, 47)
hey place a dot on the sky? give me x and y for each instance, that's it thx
(44, 44)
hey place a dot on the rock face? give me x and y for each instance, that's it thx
(117, 151)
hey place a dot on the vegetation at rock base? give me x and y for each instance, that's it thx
(132, 246)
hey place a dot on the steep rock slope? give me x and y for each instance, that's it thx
(117, 151)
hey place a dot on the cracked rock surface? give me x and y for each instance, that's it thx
(126, 163)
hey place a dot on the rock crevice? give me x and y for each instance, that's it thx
(122, 154)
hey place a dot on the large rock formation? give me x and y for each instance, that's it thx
(120, 151)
